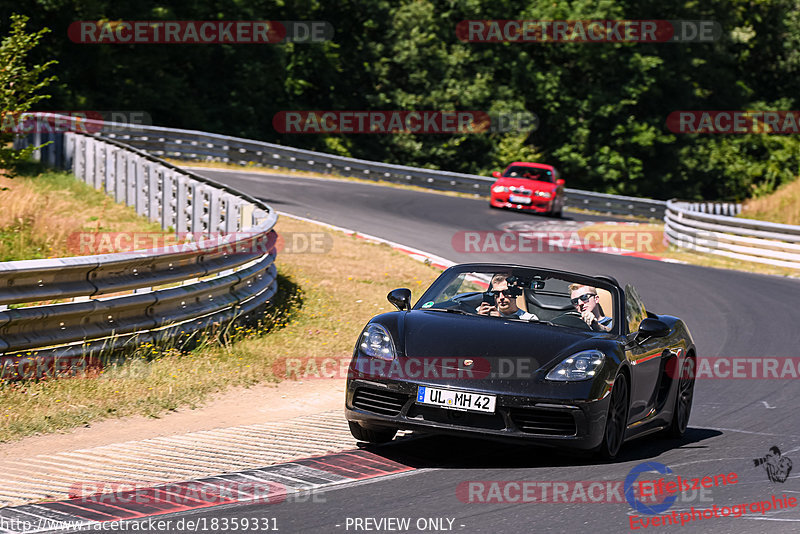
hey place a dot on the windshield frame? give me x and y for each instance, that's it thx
(540, 170)
(448, 276)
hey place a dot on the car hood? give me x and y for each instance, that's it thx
(489, 354)
(427, 334)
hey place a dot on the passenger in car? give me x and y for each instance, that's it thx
(506, 301)
(587, 302)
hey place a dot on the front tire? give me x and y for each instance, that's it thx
(370, 435)
(616, 419)
(683, 400)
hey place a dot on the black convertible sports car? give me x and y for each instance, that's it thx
(515, 352)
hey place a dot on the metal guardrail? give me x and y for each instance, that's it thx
(228, 273)
(616, 204)
(194, 145)
(686, 226)
(716, 208)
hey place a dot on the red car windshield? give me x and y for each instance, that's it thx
(531, 173)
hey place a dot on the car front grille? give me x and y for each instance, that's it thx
(547, 422)
(379, 401)
(435, 414)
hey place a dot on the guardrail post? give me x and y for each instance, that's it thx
(214, 212)
(68, 155)
(99, 170)
(199, 213)
(37, 139)
(154, 177)
(89, 161)
(181, 204)
(130, 179)
(141, 185)
(120, 173)
(168, 207)
(231, 214)
(111, 169)
(245, 215)
(79, 162)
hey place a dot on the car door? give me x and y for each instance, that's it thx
(645, 359)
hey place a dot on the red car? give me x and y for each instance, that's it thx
(528, 186)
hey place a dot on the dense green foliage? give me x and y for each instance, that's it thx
(602, 107)
(21, 85)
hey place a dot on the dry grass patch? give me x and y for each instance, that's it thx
(325, 301)
(41, 209)
(781, 206)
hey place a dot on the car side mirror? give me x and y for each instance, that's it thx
(560, 181)
(400, 298)
(496, 174)
(650, 327)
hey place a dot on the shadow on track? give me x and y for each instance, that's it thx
(451, 452)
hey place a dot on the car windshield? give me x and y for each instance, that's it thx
(525, 294)
(532, 173)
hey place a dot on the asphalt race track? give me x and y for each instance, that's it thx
(734, 421)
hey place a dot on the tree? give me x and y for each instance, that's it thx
(19, 86)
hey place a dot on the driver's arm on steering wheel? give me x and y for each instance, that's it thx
(589, 318)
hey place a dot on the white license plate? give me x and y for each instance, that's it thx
(519, 200)
(456, 400)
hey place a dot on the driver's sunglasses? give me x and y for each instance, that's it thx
(585, 298)
(507, 292)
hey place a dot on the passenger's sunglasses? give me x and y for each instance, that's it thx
(585, 298)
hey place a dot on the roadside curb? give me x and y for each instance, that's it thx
(268, 485)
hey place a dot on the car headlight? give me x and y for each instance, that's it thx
(500, 189)
(543, 194)
(580, 366)
(376, 342)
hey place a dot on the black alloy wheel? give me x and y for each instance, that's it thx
(616, 420)
(683, 399)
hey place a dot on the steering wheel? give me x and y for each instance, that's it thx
(572, 319)
(467, 302)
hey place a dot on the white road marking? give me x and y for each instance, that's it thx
(174, 459)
